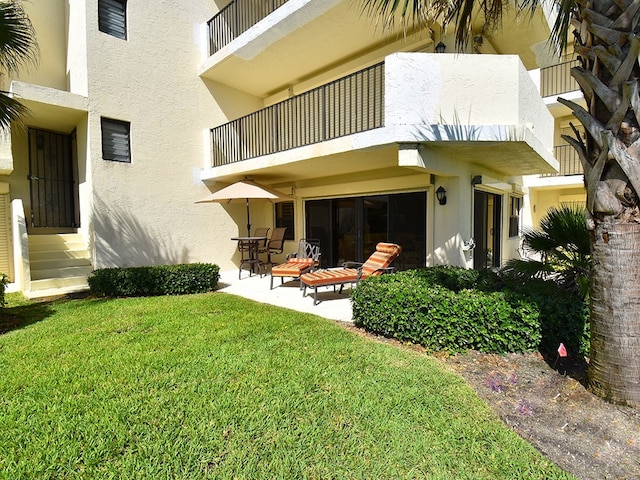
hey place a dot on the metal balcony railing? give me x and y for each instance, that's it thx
(236, 18)
(346, 106)
(557, 79)
(569, 161)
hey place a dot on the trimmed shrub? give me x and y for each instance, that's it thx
(408, 307)
(453, 278)
(454, 309)
(564, 318)
(156, 280)
(3, 285)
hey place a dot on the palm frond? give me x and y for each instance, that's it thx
(18, 45)
(565, 10)
(461, 13)
(11, 111)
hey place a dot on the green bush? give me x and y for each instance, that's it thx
(453, 278)
(454, 309)
(564, 317)
(157, 280)
(411, 307)
(3, 285)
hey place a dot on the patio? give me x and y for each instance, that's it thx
(332, 305)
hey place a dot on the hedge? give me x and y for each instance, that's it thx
(410, 307)
(155, 280)
(455, 309)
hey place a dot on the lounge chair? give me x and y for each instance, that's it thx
(351, 272)
(304, 260)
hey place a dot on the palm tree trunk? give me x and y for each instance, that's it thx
(608, 77)
(614, 368)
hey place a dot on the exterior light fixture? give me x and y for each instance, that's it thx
(441, 47)
(441, 195)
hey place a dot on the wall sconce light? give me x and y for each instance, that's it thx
(441, 47)
(441, 195)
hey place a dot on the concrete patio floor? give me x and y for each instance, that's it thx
(332, 305)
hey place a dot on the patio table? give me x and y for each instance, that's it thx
(251, 245)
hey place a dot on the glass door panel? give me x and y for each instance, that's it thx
(486, 229)
(350, 228)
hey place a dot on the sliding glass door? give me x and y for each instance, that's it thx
(350, 228)
(486, 229)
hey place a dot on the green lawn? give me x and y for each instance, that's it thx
(216, 386)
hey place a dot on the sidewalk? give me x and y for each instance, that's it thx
(332, 305)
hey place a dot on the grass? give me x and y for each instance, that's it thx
(216, 386)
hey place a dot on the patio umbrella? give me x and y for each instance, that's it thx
(243, 191)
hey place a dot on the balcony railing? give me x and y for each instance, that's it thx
(236, 18)
(569, 161)
(346, 106)
(557, 79)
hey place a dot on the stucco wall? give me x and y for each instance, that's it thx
(144, 212)
(50, 21)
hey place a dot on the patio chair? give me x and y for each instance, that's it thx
(352, 272)
(275, 244)
(306, 259)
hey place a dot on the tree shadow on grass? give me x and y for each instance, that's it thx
(20, 316)
(15, 318)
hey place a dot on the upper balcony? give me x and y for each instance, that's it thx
(556, 80)
(569, 162)
(263, 47)
(448, 108)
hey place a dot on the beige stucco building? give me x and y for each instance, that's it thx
(138, 110)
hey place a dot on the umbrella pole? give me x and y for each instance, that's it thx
(248, 220)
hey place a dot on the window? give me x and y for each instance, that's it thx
(116, 144)
(112, 17)
(514, 216)
(284, 218)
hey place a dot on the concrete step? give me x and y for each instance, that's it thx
(60, 254)
(58, 286)
(56, 242)
(60, 264)
(38, 264)
(61, 273)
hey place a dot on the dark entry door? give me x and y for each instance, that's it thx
(486, 229)
(53, 188)
(350, 228)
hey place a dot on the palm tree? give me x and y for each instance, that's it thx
(559, 251)
(607, 42)
(18, 48)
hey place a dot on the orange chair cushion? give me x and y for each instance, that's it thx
(293, 268)
(330, 277)
(383, 256)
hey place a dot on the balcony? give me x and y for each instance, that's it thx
(448, 108)
(235, 19)
(294, 43)
(347, 106)
(557, 79)
(569, 161)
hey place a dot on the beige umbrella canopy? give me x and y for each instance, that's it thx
(243, 191)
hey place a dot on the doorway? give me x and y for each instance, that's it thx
(350, 228)
(487, 211)
(51, 180)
